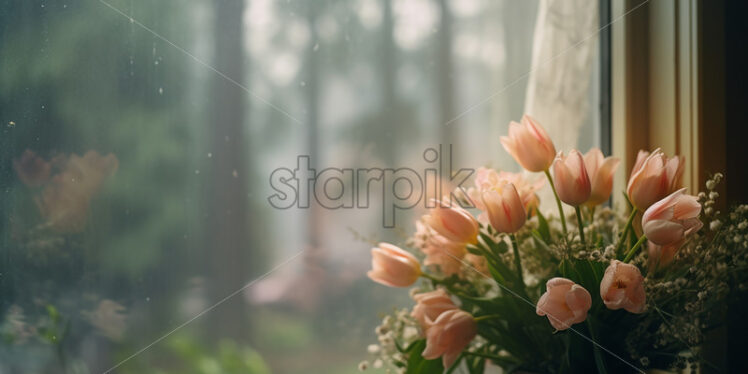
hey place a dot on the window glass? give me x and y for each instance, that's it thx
(144, 145)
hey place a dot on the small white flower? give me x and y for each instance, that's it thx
(363, 365)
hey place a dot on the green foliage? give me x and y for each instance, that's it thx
(419, 365)
(187, 355)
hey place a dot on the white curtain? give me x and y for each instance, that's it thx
(564, 49)
(561, 86)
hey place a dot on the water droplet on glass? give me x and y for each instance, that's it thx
(155, 62)
(147, 299)
(132, 20)
(302, 83)
(160, 90)
(11, 124)
(235, 173)
(316, 47)
(210, 154)
(197, 171)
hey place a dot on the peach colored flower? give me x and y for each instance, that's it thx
(64, 202)
(504, 208)
(32, 170)
(453, 222)
(671, 219)
(623, 287)
(487, 179)
(564, 302)
(393, 266)
(600, 170)
(440, 251)
(429, 305)
(653, 177)
(570, 175)
(479, 264)
(449, 335)
(529, 144)
(662, 255)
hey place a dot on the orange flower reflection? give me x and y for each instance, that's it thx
(65, 200)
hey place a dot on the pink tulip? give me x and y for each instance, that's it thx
(454, 223)
(662, 255)
(570, 175)
(392, 266)
(529, 144)
(654, 176)
(600, 170)
(487, 179)
(564, 302)
(623, 287)
(430, 305)
(445, 254)
(504, 207)
(669, 220)
(449, 335)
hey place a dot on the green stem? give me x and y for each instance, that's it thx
(599, 362)
(625, 232)
(487, 317)
(634, 249)
(558, 201)
(580, 223)
(431, 278)
(517, 261)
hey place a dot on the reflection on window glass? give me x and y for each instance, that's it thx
(139, 141)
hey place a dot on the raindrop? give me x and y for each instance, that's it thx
(302, 83)
(11, 124)
(155, 62)
(235, 173)
(147, 299)
(197, 171)
(132, 20)
(210, 155)
(316, 47)
(160, 90)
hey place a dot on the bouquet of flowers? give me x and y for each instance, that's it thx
(603, 292)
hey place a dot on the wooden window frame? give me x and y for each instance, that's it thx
(667, 85)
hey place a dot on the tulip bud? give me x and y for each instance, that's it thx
(392, 266)
(430, 305)
(654, 176)
(504, 207)
(529, 144)
(564, 302)
(570, 175)
(449, 335)
(669, 220)
(600, 170)
(623, 287)
(453, 223)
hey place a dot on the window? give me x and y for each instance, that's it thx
(138, 140)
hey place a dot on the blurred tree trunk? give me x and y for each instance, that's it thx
(388, 72)
(313, 257)
(445, 76)
(228, 245)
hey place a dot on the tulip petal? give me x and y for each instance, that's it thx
(663, 232)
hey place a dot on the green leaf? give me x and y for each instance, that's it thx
(543, 230)
(474, 249)
(419, 365)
